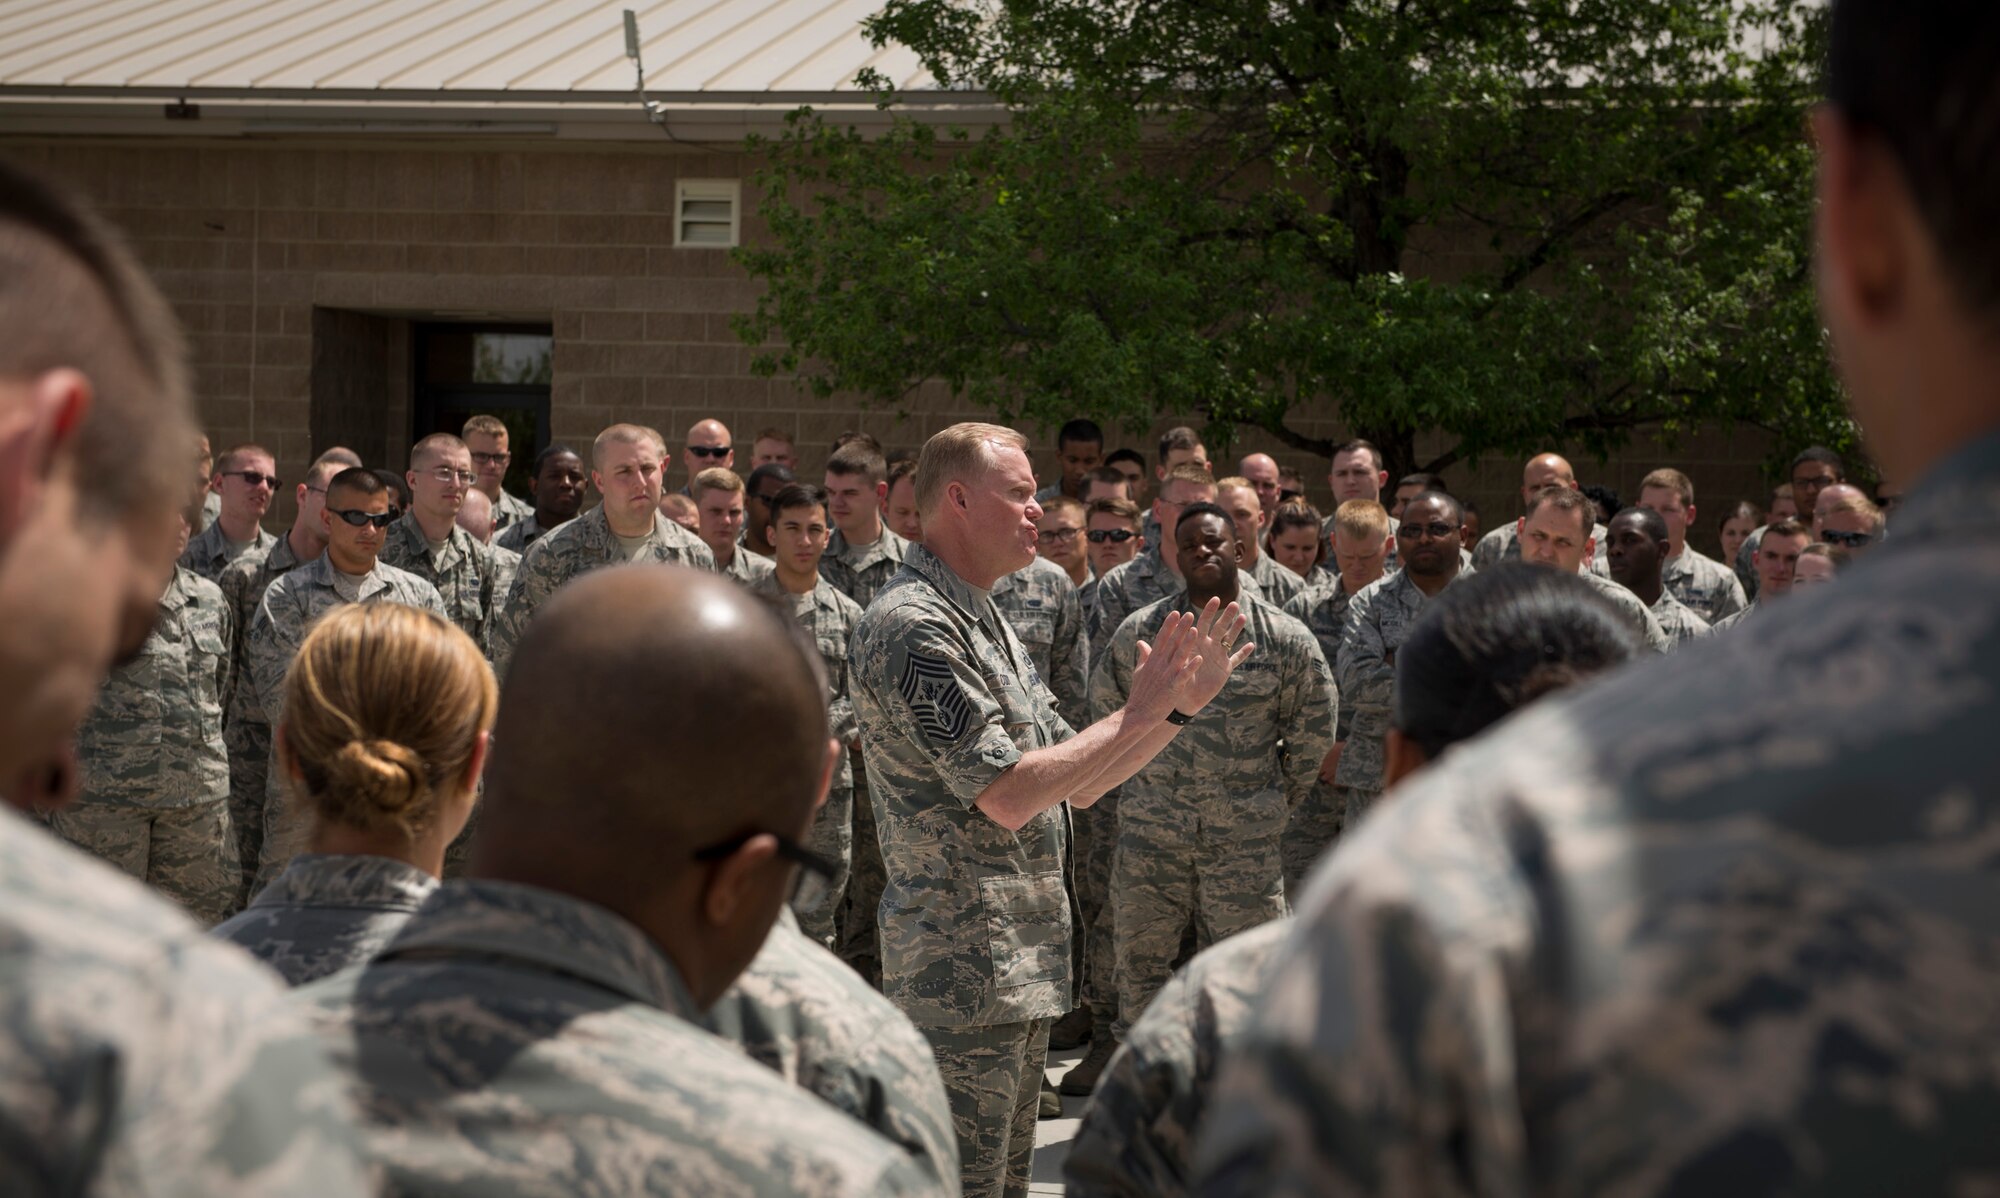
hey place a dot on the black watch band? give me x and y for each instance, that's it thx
(1179, 718)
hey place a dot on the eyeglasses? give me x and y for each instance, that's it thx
(1847, 540)
(1056, 535)
(446, 474)
(1117, 536)
(358, 519)
(717, 452)
(1437, 532)
(816, 873)
(253, 477)
(492, 459)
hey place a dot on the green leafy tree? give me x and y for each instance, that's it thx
(1508, 223)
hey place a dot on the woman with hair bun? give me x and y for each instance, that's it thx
(388, 714)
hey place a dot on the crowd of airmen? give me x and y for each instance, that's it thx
(506, 867)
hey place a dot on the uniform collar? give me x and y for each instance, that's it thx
(348, 880)
(963, 595)
(178, 593)
(551, 932)
(323, 570)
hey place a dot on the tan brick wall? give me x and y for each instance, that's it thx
(250, 241)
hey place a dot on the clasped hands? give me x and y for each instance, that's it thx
(1188, 661)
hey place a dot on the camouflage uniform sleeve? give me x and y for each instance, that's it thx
(1070, 662)
(1366, 679)
(1110, 609)
(1487, 552)
(534, 582)
(225, 663)
(1731, 599)
(1137, 1134)
(1308, 706)
(931, 694)
(268, 650)
(1111, 678)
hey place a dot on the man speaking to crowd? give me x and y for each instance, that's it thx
(968, 765)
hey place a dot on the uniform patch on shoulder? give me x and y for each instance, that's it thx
(935, 698)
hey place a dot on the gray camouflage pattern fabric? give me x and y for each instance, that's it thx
(746, 567)
(1723, 922)
(993, 1081)
(327, 912)
(521, 533)
(861, 571)
(1746, 563)
(1729, 622)
(578, 547)
(515, 1041)
(138, 1058)
(463, 572)
(1378, 622)
(1636, 614)
(153, 793)
(830, 617)
(1503, 545)
(1042, 606)
(286, 613)
(975, 919)
(209, 551)
(1138, 1134)
(1677, 620)
(244, 729)
(1279, 585)
(506, 565)
(798, 1011)
(1141, 582)
(1316, 822)
(1707, 587)
(509, 511)
(1200, 825)
(211, 507)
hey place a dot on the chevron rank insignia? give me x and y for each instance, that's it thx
(935, 698)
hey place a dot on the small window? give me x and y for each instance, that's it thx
(705, 213)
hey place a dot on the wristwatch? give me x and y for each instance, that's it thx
(1179, 718)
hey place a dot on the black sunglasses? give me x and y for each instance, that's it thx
(709, 451)
(253, 477)
(357, 519)
(1438, 532)
(816, 873)
(1849, 540)
(1117, 536)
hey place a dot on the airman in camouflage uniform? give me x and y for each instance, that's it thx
(284, 616)
(829, 617)
(1378, 621)
(509, 511)
(578, 547)
(463, 572)
(137, 1057)
(1503, 544)
(208, 553)
(974, 920)
(1199, 827)
(1637, 614)
(800, 1012)
(1042, 606)
(327, 912)
(516, 1041)
(1322, 606)
(746, 567)
(519, 534)
(1278, 585)
(861, 571)
(155, 774)
(506, 565)
(1138, 1134)
(1677, 620)
(1707, 587)
(245, 732)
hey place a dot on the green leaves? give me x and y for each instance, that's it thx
(1522, 223)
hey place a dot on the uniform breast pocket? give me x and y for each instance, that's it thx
(1037, 630)
(1027, 921)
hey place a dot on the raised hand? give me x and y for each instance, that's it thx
(1161, 676)
(1216, 645)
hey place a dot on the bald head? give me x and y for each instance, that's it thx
(475, 515)
(1545, 470)
(708, 446)
(646, 669)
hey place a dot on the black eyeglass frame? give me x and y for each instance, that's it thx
(791, 850)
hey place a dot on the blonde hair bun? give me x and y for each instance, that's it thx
(387, 776)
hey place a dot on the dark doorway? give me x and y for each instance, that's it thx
(502, 370)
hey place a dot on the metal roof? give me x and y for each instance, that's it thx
(279, 57)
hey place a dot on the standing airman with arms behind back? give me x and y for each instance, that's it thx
(969, 764)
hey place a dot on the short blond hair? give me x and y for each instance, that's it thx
(483, 425)
(1362, 519)
(715, 478)
(437, 444)
(957, 454)
(625, 434)
(1861, 504)
(384, 705)
(1666, 478)
(1235, 480)
(1188, 472)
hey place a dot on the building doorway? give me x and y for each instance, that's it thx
(501, 370)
